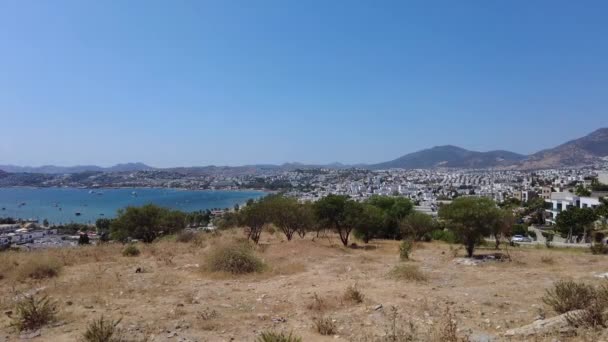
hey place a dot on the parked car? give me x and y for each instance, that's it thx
(520, 238)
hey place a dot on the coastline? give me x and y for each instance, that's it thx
(84, 205)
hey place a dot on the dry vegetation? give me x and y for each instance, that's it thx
(214, 287)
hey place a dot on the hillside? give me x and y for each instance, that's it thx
(572, 153)
(174, 298)
(451, 156)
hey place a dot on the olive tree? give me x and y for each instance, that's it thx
(471, 219)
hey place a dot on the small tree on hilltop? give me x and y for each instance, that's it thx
(146, 223)
(471, 219)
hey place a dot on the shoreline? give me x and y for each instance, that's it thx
(39, 203)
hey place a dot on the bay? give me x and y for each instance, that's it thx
(61, 205)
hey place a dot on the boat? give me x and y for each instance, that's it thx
(78, 213)
(134, 194)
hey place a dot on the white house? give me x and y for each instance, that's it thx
(561, 201)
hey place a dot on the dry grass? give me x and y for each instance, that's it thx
(407, 272)
(34, 312)
(103, 330)
(272, 336)
(303, 279)
(353, 294)
(324, 325)
(39, 268)
(234, 258)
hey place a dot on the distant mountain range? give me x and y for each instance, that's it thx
(582, 151)
(52, 169)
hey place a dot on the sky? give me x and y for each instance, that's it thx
(185, 83)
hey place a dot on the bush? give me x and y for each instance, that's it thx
(407, 272)
(131, 251)
(594, 315)
(33, 313)
(103, 330)
(569, 295)
(353, 294)
(547, 260)
(405, 248)
(598, 248)
(39, 268)
(83, 239)
(324, 325)
(185, 236)
(444, 235)
(271, 336)
(237, 258)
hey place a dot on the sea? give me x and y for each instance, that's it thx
(66, 205)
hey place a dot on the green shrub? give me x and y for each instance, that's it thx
(405, 248)
(33, 313)
(271, 336)
(569, 295)
(444, 235)
(131, 251)
(103, 330)
(39, 268)
(236, 258)
(407, 272)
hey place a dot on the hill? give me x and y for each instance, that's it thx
(52, 169)
(451, 156)
(576, 152)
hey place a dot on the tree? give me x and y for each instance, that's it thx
(582, 191)
(254, 216)
(574, 222)
(286, 214)
(83, 239)
(45, 223)
(331, 211)
(471, 219)
(146, 223)
(366, 219)
(416, 225)
(103, 224)
(536, 209)
(504, 226)
(394, 209)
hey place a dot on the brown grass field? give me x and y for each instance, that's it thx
(305, 281)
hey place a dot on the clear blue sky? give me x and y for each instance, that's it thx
(176, 83)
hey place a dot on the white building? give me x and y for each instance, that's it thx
(561, 201)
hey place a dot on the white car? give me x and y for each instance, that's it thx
(520, 238)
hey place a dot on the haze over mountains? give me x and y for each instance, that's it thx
(582, 151)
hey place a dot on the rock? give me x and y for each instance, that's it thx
(543, 326)
(30, 335)
(377, 307)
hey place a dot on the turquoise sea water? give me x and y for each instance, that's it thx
(60, 205)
